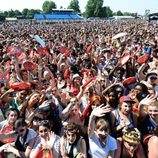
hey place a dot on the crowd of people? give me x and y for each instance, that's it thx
(82, 90)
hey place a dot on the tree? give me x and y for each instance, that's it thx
(17, 12)
(11, 13)
(48, 6)
(94, 8)
(119, 13)
(24, 12)
(107, 12)
(74, 4)
(127, 14)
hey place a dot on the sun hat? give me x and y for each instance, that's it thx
(131, 135)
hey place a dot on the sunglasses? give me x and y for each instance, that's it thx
(20, 131)
(43, 122)
(43, 131)
(153, 78)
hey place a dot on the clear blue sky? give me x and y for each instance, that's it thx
(138, 6)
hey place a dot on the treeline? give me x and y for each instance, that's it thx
(94, 8)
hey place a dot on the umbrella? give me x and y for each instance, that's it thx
(119, 35)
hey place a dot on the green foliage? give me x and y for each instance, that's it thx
(24, 12)
(119, 13)
(11, 13)
(127, 14)
(48, 6)
(107, 12)
(94, 8)
(2, 17)
(74, 4)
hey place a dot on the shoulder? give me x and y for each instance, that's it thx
(31, 133)
(153, 140)
(111, 142)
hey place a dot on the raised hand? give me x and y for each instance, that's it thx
(101, 110)
(147, 100)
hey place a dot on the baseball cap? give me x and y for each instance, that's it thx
(126, 98)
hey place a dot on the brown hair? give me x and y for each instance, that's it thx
(101, 122)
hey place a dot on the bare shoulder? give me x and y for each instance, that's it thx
(153, 140)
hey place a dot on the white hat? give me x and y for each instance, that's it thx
(75, 76)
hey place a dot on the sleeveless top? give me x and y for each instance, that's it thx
(147, 126)
(72, 150)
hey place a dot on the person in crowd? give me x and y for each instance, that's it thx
(124, 117)
(47, 143)
(100, 142)
(72, 143)
(24, 140)
(129, 145)
(7, 125)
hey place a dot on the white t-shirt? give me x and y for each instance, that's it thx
(97, 151)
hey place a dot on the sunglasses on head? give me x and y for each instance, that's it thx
(43, 122)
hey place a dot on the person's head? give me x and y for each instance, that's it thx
(75, 110)
(72, 132)
(126, 105)
(141, 88)
(131, 138)
(44, 128)
(151, 77)
(119, 89)
(24, 74)
(153, 109)
(20, 127)
(12, 115)
(119, 72)
(112, 96)
(22, 94)
(102, 128)
(95, 101)
(76, 79)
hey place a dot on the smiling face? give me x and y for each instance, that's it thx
(153, 111)
(12, 116)
(43, 131)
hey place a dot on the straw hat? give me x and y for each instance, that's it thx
(131, 135)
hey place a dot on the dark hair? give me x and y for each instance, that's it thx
(19, 122)
(112, 90)
(44, 123)
(12, 109)
(72, 127)
(143, 86)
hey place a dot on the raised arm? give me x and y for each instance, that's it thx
(97, 112)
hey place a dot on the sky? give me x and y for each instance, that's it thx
(133, 6)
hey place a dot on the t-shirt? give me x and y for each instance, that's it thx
(97, 151)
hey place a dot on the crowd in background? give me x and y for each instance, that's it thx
(89, 91)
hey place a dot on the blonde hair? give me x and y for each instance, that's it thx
(155, 103)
